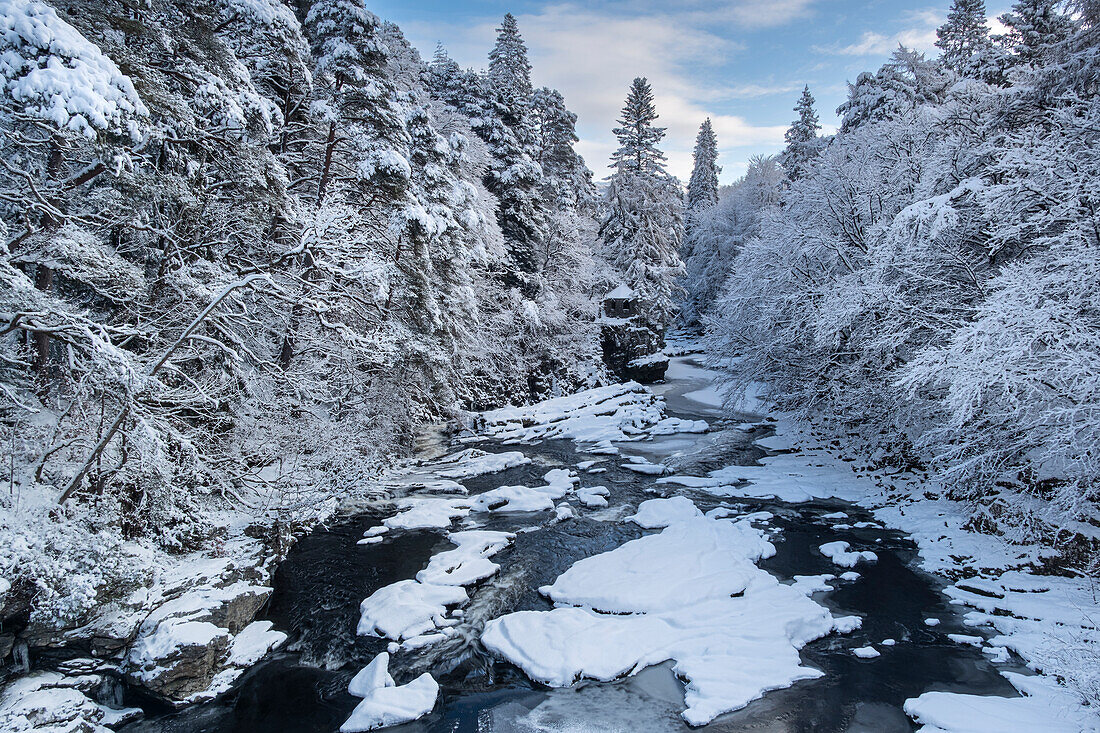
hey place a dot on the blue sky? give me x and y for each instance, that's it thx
(741, 62)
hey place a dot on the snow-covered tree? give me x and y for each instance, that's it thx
(715, 235)
(642, 230)
(803, 144)
(901, 85)
(509, 69)
(702, 190)
(1034, 28)
(638, 136)
(964, 38)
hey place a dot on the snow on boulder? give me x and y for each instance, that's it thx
(384, 703)
(407, 608)
(373, 676)
(656, 513)
(838, 552)
(593, 496)
(559, 482)
(472, 462)
(427, 512)
(469, 562)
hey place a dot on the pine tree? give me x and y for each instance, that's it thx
(509, 69)
(1034, 26)
(703, 186)
(803, 143)
(638, 136)
(964, 38)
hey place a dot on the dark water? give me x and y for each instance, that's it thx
(319, 587)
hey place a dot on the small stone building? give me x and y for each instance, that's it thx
(632, 348)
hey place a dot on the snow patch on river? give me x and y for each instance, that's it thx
(691, 594)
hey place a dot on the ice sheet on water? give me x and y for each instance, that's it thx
(1047, 707)
(691, 594)
(693, 560)
(616, 412)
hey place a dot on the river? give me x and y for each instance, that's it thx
(319, 586)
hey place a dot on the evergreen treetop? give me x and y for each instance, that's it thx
(509, 69)
(703, 185)
(638, 136)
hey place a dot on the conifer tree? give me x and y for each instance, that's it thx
(964, 38)
(703, 186)
(567, 177)
(803, 143)
(1034, 25)
(638, 136)
(509, 69)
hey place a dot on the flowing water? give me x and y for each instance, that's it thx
(319, 586)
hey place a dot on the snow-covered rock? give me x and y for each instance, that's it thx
(839, 553)
(469, 562)
(656, 513)
(385, 703)
(407, 608)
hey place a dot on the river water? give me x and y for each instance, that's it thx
(319, 586)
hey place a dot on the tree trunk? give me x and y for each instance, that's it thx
(43, 280)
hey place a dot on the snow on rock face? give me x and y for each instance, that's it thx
(838, 552)
(1047, 707)
(194, 646)
(407, 608)
(469, 562)
(384, 703)
(49, 702)
(656, 513)
(625, 411)
(691, 594)
(254, 641)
